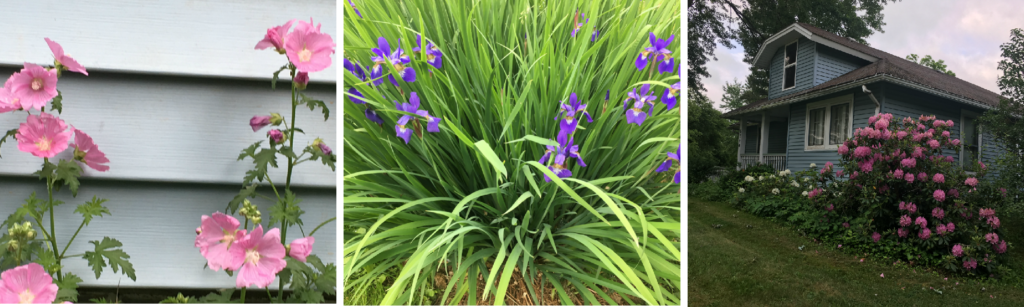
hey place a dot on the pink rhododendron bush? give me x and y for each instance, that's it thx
(899, 194)
(32, 256)
(255, 251)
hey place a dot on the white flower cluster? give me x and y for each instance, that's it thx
(795, 184)
(804, 193)
(749, 179)
(742, 190)
(775, 191)
(813, 165)
(760, 177)
(806, 179)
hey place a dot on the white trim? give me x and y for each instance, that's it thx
(964, 113)
(827, 104)
(786, 66)
(771, 41)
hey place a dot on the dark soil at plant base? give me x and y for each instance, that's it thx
(750, 261)
(151, 295)
(518, 293)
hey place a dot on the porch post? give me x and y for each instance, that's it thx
(743, 142)
(764, 137)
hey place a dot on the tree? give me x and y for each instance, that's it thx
(927, 61)
(713, 144)
(733, 97)
(1004, 122)
(707, 28)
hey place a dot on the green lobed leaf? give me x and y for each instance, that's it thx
(68, 173)
(11, 134)
(56, 104)
(245, 192)
(313, 104)
(93, 208)
(67, 290)
(287, 210)
(109, 249)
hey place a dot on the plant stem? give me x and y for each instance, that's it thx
(288, 178)
(72, 240)
(53, 234)
(243, 295)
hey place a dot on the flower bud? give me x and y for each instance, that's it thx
(301, 79)
(277, 137)
(199, 230)
(31, 234)
(276, 119)
(12, 245)
(258, 122)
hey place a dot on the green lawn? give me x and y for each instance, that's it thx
(761, 265)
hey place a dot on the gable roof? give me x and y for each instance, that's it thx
(887, 67)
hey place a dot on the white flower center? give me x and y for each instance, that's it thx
(305, 55)
(229, 236)
(44, 144)
(26, 297)
(37, 84)
(252, 256)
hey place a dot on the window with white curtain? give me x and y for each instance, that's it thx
(829, 123)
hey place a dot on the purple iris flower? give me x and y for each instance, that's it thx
(668, 163)
(356, 69)
(354, 8)
(372, 116)
(433, 53)
(593, 37)
(671, 94)
(354, 92)
(579, 25)
(569, 113)
(607, 94)
(413, 106)
(636, 114)
(563, 152)
(657, 52)
(396, 58)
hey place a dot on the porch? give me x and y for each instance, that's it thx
(776, 160)
(763, 139)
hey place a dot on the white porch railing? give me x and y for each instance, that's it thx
(777, 161)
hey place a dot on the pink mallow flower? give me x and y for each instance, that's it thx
(218, 235)
(276, 136)
(275, 37)
(971, 181)
(261, 257)
(64, 59)
(301, 80)
(300, 248)
(34, 86)
(258, 122)
(939, 178)
(958, 250)
(27, 284)
(43, 135)
(939, 195)
(938, 213)
(87, 152)
(309, 51)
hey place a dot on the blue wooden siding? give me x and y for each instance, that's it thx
(804, 69)
(991, 151)
(799, 159)
(831, 63)
(903, 102)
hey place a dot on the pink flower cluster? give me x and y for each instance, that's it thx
(256, 256)
(306, 47)
(44, 135)
(27, 284)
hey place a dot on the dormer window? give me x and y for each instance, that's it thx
(789, 67)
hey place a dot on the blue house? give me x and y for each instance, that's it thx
(823, 86)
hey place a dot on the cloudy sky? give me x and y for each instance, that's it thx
(966, 34)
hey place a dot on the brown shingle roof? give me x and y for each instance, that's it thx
(887, 64)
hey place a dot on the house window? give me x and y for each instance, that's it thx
(789, 67)
(970, 145)
(829, 123)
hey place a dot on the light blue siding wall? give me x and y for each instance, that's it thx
(903, 102)
(170, 91)
(831, 63)
(991, 151)
(804, 69)
(799, 159)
